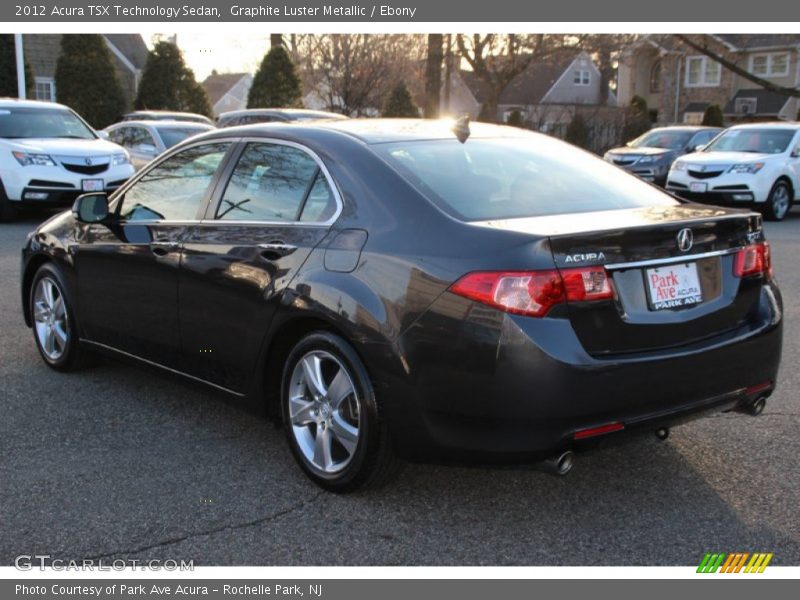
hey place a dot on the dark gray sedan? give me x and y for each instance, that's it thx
(651, 155)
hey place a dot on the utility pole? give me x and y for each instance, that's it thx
(20, 66)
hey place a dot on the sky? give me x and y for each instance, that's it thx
(226, 52)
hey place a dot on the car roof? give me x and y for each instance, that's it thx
(161, 123)
(274, 111)
(687, 128)
(768, 125)
(377, 131)
(17, 103)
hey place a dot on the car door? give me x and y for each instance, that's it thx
(276, 205)
(127, 267)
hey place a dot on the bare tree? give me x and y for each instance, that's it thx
(354, 73)
(433, 75)
(605, 50)
(497, 59)
(703, 47)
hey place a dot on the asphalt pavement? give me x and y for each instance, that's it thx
(119, 461)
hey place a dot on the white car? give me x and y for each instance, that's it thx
(144, 140)
(755, 165)
(49, 156)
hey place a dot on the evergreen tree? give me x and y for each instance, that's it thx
(168, 84)
(713, 116)
(637, 120)
(515, 119)
(276, 84)
(400, 104)
(8, 69)
(578, 131)
(86, 79)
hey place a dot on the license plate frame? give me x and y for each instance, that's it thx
(671, 287)
(698, 187)
(92, 185)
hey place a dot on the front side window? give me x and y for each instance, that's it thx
(702, 71)
(506, 178)
(174, 189)
(274, 182)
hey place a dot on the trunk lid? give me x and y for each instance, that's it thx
(664, 296)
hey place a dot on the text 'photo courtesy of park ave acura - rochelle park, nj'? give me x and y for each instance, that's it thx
(398, 299)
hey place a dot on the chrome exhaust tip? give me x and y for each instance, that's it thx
(560, 464)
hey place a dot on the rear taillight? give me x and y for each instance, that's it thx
(534, 293)
(754, 259)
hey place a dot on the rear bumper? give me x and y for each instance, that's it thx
(515, 389)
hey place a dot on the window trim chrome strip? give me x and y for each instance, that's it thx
(669, 260)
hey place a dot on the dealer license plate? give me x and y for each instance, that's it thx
(92, 185)
(673, 286)
(698, 186)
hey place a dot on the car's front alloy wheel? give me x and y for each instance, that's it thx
(53, 321)
(331, 416)
(779, 202)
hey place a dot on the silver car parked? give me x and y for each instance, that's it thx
(144, 140)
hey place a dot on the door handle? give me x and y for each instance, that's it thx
(163, 248)
(275, 250)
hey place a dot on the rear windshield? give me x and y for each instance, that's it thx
(42, 123)
(760, 141)
(486, 179)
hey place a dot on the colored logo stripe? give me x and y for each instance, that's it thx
(735, 562)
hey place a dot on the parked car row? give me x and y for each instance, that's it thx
(754, 165)
(49, 154)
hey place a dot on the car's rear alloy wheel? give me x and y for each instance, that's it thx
(779, 202)
(331, 417)
(53, 323)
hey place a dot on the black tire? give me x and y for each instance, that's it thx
(779, 202)
(372, 463)
(71, 356)
(8, 212)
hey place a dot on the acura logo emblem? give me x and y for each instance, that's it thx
(685, 240)
(88, 162)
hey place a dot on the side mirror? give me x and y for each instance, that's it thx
(91, 208)
(697, 148)
(148, 149)
(796, 152)
(103, 134)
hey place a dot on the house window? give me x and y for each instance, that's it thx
(774, 64)
(655, 77)
(693, 118)
(702, 71)
(582, 77)
(45, 89)
(746, 106)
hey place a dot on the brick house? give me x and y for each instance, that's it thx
(679, 83)
(128, 51)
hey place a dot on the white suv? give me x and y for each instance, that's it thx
(749, 165)
(49, 156)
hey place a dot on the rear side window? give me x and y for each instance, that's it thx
(273, 182)
(485, 179)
